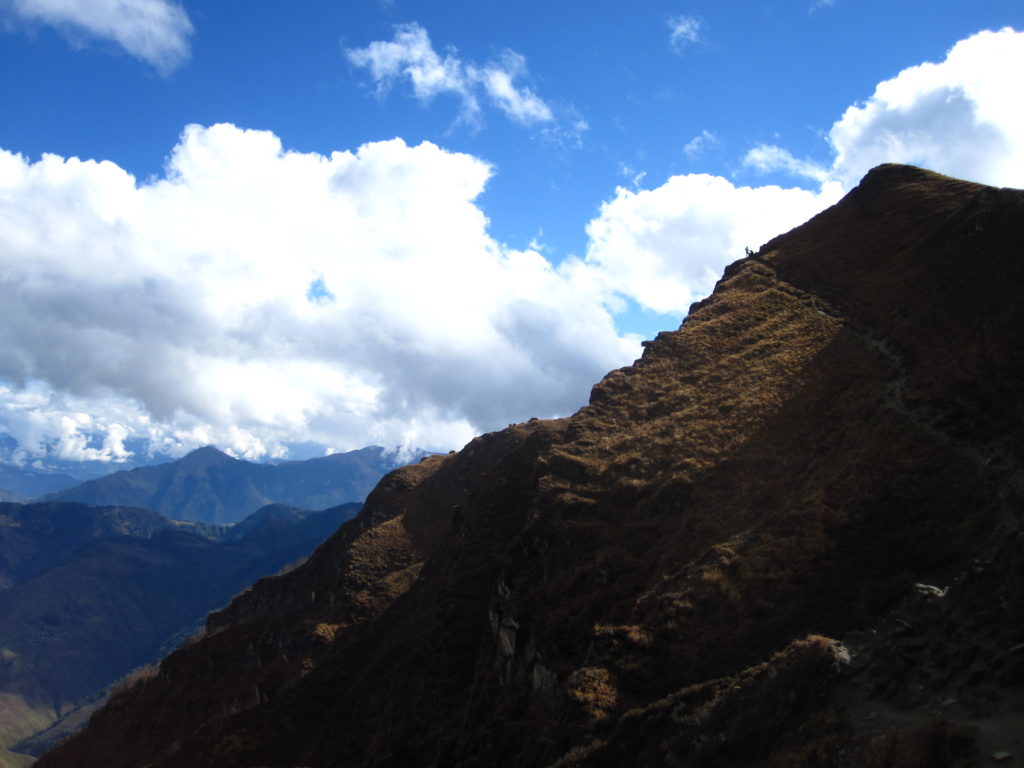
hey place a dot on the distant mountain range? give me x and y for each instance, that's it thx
(110, 574)
(10, 496)
(21, 484)
(209, 486)
(88, 594)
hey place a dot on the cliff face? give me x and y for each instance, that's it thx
(788, 534)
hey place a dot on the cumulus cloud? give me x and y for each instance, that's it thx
(256, 296)
(665, 246)
(156, 31)
(411, 56)
(683, 31)
(962, 117)
(46, 423)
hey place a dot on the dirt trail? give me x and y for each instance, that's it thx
(900, 690)
(992, 459)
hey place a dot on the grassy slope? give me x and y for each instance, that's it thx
(14, 760)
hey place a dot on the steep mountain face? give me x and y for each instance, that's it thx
(212, 487)
(788, 535)
(91, 593)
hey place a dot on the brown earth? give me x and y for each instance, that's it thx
(788, 535)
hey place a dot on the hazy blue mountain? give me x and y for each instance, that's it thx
(27, 483)
(36, 537)
(208, 485)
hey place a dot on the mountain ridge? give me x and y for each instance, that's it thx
(788, 534)
(207, 485)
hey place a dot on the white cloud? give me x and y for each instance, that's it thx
(683, 31)
(45, 423)
(768, 157)
(519, 104)
(411, 56)
(964, 117)
(193, 308)
(156, 31)
(666, 247)
(700, 143)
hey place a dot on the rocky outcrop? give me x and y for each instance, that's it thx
(789, 534)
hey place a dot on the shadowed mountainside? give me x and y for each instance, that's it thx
(209, 486)
(36, 537)
(788, 535)
(89, 593)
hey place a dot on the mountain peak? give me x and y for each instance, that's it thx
(205, 456)
(208, 485)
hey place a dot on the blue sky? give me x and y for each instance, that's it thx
(522, 191)
(765, 72)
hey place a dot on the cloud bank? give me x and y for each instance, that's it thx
(155, 31)
(255, 296)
